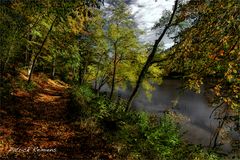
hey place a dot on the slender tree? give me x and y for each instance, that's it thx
(40, 50)
(150, 58)
(122, 38)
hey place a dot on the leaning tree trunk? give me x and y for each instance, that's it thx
(215, 138)
(40, 50)
(213, 141)
(150, 59)
(114, 71)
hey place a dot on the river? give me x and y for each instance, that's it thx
(196, 124)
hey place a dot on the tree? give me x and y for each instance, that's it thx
(122, 38)
(208, 52)
(150, 58)
(30, 16)
(97, 45)
(12, 27)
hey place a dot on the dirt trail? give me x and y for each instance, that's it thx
(36, 125)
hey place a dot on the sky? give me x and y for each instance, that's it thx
(146, 13)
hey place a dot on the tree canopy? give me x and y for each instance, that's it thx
(208, 51)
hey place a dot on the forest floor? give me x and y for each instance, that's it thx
(36, 125)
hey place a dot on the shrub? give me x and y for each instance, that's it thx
(24, 85)
(194, 152)
(151, 137)
(80, 96)
(135, 135)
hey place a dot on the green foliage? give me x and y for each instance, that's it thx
(83, 92)
(106, 109)
(80, 97)
(194, 152)
(24, 85)
(135, 135)
(86, 92)
(11, 28)
(151, 137)
(140, 134)
(25, 26)
(30, 86)
(86, 46)
(110, 115)
(210, 53)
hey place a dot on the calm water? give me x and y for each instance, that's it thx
(194, 107)
(198, 128)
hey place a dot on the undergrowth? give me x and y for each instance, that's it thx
(133, 135)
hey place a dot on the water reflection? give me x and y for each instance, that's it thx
(197, 127)
(169, 96)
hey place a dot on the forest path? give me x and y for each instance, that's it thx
(36, 125)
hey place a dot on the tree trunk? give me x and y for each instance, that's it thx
(114, 70)
(73, 72)
(213, 141)
(82, 67)
(98, 69)
(150, 59)
(6, 62)
(30, 67)
(9, 51)
(217, 133)
(82, 72)
(80, 75)
(53, 66)
(40, 50)
(102, 82)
